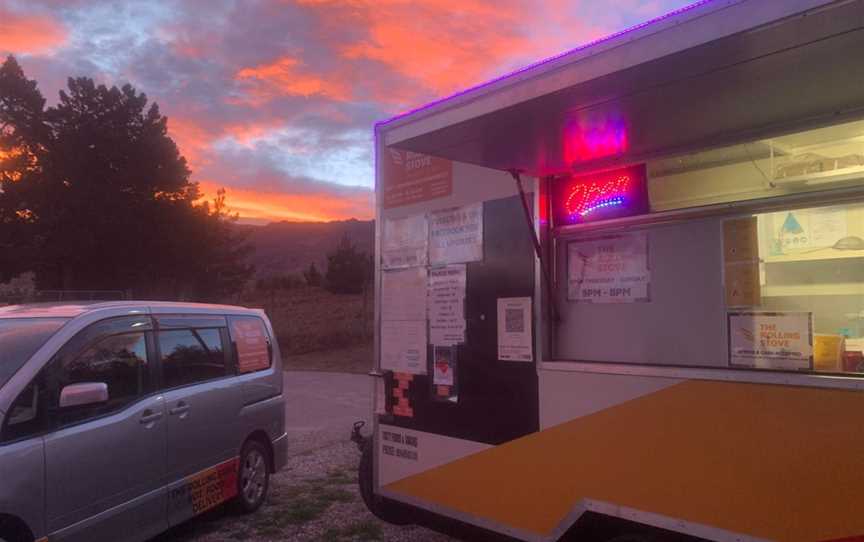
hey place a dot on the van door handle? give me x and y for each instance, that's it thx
(149, 417)
(181, 408)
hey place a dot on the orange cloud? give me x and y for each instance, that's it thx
(34, 34)
(246, 133)
(443, 45)
(263, 206)
(192, 140)
(286, 76)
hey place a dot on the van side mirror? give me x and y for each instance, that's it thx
(84, 393)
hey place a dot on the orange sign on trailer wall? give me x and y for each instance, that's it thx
(253, 351)
(410, 177)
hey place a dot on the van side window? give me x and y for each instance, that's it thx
(252, 343)
(25, 417)
(190, 356)
(119, 361)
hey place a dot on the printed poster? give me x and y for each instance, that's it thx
(405, 242)
(403, 320)
(612, 269)
(771, 340)
(410, 177)
(253, 350)
(447, 305)
(456, 235)
(741, 271)
(514, 329)
(403, 346)
(443, 366)
(403, 294)
(806, 229)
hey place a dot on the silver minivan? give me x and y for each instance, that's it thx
(119, 420)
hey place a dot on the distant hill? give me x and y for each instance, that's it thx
(289, 247)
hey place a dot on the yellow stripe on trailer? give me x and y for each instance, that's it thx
(768, 461)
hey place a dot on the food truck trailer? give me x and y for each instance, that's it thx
(620, 292)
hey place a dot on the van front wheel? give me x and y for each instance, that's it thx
(253, 479)
(384, 509)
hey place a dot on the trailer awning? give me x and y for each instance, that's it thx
(716, 73)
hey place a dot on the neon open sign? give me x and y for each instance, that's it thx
(599, 196)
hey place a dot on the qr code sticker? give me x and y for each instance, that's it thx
(514, 321)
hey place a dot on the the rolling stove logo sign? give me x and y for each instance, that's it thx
(410, 177)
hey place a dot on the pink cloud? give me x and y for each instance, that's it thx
(29, 34)
(288, 76)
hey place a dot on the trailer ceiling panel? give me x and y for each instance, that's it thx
(798, 72)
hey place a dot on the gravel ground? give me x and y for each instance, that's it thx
(315, 498)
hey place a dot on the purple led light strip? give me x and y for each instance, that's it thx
(545, 61)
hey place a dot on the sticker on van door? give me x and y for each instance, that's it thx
(253, 350)
(206, 489)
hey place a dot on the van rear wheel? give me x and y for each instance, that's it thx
(384, 509)
(253, 478)
(14, 530)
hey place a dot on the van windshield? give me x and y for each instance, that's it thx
(20, 338)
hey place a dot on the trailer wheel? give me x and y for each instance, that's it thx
(383, 509)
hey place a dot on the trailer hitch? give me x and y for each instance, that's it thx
(356, 436)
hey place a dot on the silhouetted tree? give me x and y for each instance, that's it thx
(313, 276)
(95, 195)
(347, 268)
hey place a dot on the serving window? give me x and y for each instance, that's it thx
(780, 290)
(826, 158)
(811, 262)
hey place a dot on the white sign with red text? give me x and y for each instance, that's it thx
(611, 269)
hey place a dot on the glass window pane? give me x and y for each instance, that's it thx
(813, 160)
(20, 338)
(25, 414)
(812, 261)
(190, 356)
(119, 361)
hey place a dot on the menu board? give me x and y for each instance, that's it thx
(447, 305)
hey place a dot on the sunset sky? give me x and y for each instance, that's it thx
(275, 99)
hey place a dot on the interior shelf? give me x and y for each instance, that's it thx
(815, 255)
(790, 290)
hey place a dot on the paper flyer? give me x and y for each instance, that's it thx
(741, 270)
(612, 269)
(403, 294)
(771, 340)
(405, 242)
(514, 329)
(443, 366)
(447, 305)
(403, 346)
(804, 229)
(456, 235)
(403, 320)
